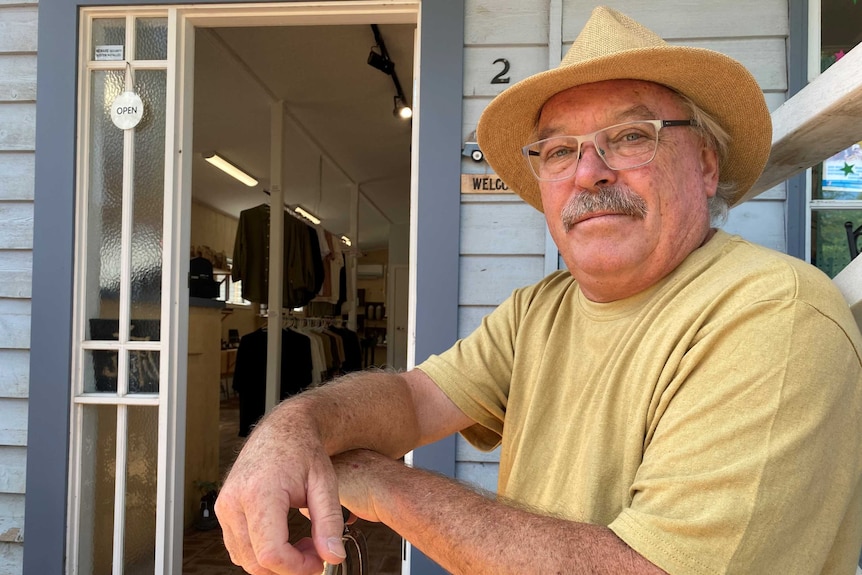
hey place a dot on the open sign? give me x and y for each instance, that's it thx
(127, 109)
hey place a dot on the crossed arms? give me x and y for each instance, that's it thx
(339, 444)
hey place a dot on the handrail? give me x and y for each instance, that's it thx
(819, 121)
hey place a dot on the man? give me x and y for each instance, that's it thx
(679, 401)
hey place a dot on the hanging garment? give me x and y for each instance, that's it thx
(317, 261)
(352, 349)
(315, 352)
(249, 378)
(301, 261)
(333, 261)
(338, 342)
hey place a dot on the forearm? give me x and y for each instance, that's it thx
(369, 410)
(466, 532)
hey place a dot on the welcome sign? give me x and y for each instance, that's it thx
(483, 184)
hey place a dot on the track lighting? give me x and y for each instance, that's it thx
(402, 110)
(229, 168)
(381, 62)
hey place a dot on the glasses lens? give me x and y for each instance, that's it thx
(628, 145)
(553, 158)
(622, 147)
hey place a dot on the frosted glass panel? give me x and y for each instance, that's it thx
(143, 371)
(101, 367)
(152, 39)
(149, 195)
(100, 371)
(105, 198)
(109, 32)
(98, 469)
(141, 475)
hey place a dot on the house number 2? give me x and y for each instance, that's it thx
(501, 78)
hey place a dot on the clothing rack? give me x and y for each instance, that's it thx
(288, 319)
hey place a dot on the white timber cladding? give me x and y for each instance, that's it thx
(18, 39)
(503, 239)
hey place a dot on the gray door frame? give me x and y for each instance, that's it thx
(438, 225)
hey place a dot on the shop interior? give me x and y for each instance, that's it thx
(345, 144)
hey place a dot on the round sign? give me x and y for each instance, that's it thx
(127, 109)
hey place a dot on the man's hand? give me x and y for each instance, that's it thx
(286, 464)
(279, 469)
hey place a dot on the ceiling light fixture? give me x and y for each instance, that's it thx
(380, 60)
(402, 110)
(229, 168)
(307, 215)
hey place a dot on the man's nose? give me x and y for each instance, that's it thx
(592, 171)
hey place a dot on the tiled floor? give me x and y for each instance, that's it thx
(204, 552)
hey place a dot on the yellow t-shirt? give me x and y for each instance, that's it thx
(713, 422)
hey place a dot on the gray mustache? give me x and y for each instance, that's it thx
(617, 199)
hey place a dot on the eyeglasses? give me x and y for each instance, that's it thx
(621, 147)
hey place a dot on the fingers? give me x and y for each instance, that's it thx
(236, 540)
(255, 531)
(324, 510)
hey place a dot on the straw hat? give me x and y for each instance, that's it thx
(613, 46)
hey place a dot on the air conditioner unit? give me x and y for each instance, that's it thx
(369, 271)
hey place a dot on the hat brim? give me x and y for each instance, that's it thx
(719, 85)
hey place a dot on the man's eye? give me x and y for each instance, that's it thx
(559, 152)
(632, 136)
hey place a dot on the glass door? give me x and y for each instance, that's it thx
(124, 383)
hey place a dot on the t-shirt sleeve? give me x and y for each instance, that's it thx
(748, 455)
(476, 372)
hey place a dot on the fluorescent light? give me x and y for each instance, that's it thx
(307, 215)
(346, 241)
(229, 169)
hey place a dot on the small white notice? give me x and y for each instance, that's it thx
(127, 109)
(109, 53)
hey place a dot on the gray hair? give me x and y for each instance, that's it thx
(717, 139)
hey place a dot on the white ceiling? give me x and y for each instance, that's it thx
(339, 126)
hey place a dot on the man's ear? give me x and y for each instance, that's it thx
(709, 169)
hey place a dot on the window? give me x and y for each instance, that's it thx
(230, 291)
(836, 184)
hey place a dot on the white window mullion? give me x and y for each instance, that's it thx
(122, 453)
(171, 459)
(836, 205)
(126, 255)
(808, 191)
(120, 488)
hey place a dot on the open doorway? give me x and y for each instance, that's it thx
(149, 50)
(342, 137)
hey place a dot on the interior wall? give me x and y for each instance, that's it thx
(375, 288)
(217, 231)
(399, 244)
(212, 228)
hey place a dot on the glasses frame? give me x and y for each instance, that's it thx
(591, 137)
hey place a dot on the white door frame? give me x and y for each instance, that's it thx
(173, 345)
(169, 400)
